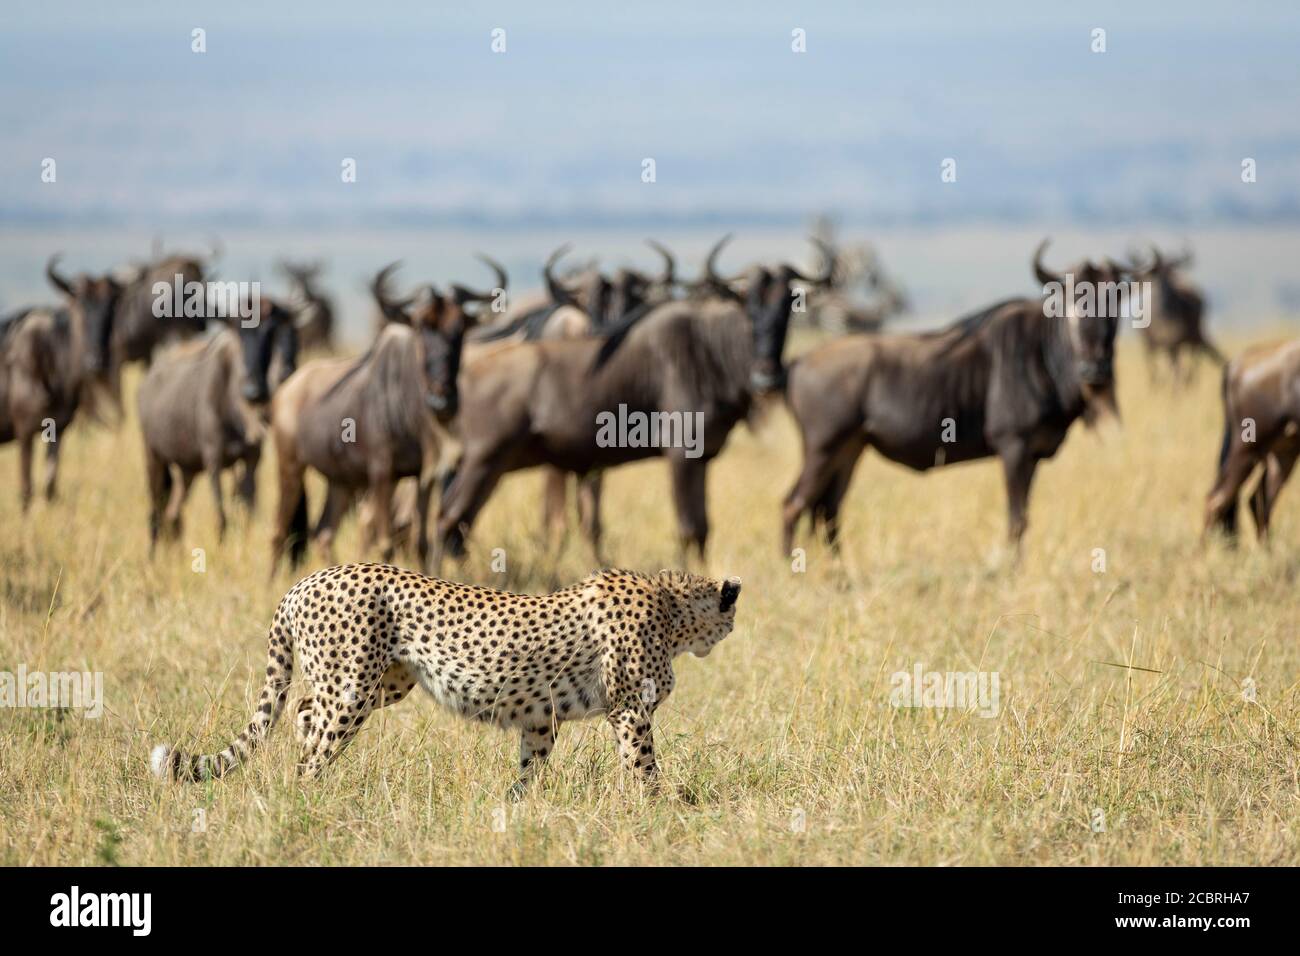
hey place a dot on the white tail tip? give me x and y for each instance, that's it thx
(158, 759)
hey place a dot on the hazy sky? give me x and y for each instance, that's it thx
(741, 129)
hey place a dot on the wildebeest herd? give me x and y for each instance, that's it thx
(462, 385)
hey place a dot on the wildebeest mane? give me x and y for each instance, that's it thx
(1032, 348)
(612, 336)
(395, 388)
(10, 321)
(353, 369)
(966, 326)
(505, 330)
(709, 350)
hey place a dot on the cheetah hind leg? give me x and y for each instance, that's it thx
(535, 745)
(334, 721)
(323, 730)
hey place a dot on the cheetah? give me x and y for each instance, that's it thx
(363, 635)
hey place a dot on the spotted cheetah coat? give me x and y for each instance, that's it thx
(363, 635)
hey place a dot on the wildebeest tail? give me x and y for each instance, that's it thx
(167, 761)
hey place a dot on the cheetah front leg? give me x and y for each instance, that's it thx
(636, 748)
(535, 745)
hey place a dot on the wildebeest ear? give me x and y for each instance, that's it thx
(730, 591)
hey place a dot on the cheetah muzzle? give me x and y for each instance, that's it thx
(363, 635)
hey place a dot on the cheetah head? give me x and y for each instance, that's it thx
(707, 613)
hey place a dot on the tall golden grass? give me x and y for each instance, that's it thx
(1124, 735)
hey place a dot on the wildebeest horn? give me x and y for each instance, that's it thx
(1040, 271)
(670, 267)
(392, 309)
(302, 272)
(1183, 259)
(712, 258)
(156, 249)
(828, 267)
(57, 280)
(1157, 260)
(559, 294)
(498, 269)
(217, 250)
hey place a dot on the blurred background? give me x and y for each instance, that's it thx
(459, 148)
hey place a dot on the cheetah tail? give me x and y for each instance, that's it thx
(167, 761)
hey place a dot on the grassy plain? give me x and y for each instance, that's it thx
(782, 748)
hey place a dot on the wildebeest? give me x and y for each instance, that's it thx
(1261, 427)
(1176, 312)
(570, 309)
(201, 408)
(698, 365)
(1008, 381)
(574, 311)
(137, 330)
(315, 311)
(49, 359)
(367, 423)
(841, 306)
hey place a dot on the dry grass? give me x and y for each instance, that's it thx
(790, 718)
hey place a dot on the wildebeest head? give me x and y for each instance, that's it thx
(441, 319)
(1092, 314)
(1160, 267)
(302, 275)
(269, 335)
(390, 308)
(592, 294)
(95, 298)
(631, 288)
(768, 294)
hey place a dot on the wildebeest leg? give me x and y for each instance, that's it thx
(290, 510)
(818, 471)
(213, 468)
(467, 495)
(381, 497)
(689, 478)
(1277, 469)
(827, 507)
(426, 483)
(337, 501)
(25, 469)
(1221, 503)
(51, 469)
(180, 491)
(555, 518)
(159, 475)
(247, 487)
(1018, 465)
(589, 486)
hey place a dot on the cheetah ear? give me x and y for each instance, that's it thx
(730, 591)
